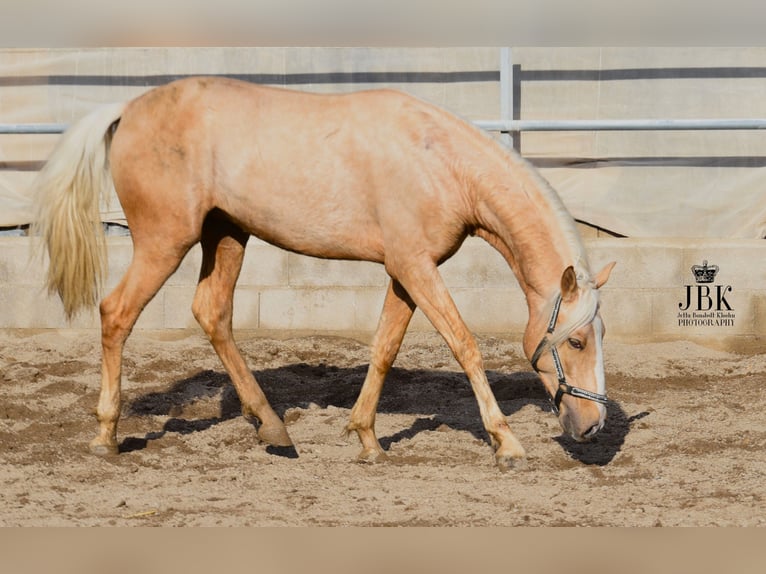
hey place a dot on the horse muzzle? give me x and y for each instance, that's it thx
(584, 424)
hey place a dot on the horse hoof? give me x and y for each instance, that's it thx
(275, 435)
(372, 456)
(506, 463)
(100, 448)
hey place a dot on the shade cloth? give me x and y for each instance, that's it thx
(639, 184)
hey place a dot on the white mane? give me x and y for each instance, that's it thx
(562, 215)
(587, 305)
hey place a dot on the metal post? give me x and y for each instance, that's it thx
(506, 91)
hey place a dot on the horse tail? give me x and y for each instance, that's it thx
(67, 194)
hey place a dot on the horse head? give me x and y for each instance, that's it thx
(564, 343)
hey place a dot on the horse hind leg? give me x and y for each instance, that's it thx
(223, 249)
(147, 272)
(394, 319)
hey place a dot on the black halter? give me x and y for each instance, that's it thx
(564, 387)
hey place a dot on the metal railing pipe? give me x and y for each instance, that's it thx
(32, 128)
(621, 125)
(522, 125)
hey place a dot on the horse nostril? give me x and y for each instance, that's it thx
(592, 431)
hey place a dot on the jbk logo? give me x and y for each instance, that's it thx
(706, 300)
(705, 303)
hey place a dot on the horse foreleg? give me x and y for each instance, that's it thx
(426, 287)
(223, 248)
(397, 312)
(119, 312)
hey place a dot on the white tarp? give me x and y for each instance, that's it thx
(655, 183)
(640, 184)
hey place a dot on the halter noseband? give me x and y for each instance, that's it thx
(564, 387)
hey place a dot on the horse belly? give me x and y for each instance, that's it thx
(307, 224)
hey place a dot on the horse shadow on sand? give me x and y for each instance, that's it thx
(440, 397)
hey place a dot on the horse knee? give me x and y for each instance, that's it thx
(114, 326)
(204, 320)
(197, 311)
(214, 322)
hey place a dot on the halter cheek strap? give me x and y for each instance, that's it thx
(564, 387)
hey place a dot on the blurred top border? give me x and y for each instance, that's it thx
(408, 23)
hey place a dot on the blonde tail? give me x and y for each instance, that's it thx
(67, 194)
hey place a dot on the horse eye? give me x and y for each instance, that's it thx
(575, 344)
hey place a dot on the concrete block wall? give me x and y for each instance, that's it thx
(648, 289)
(284, 292)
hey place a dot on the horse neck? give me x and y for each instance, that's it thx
(521, 216)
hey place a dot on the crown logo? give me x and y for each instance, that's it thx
(704, 273)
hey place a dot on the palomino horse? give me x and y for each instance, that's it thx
(377, 176)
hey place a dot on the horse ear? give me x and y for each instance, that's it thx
(603, 275)
(569, 284)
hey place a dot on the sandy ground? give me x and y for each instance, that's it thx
(684, 441)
